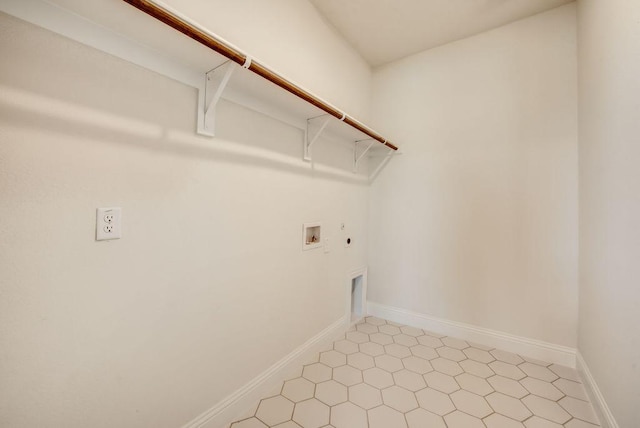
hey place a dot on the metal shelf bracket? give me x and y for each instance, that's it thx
(310, 140)
(216, 81)
(358, 157)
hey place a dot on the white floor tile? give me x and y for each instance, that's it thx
(507, 386)
(420, 418)
(399, 399)
(331, 392)
(365, 396)
(541, 388)
(546, 409)
(311, 414)
(348, 415)
(298, 389)
(474, 384)
(497, 420)
(275, 410)
(571, 388)
(471, 403)
(508, 406)
(386, 375)
(579, 409)
(386, 417)
(458, 419)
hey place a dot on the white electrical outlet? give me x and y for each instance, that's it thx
(108, 223)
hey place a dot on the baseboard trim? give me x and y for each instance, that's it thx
(595, 396)
(236, 404)
(532, 348)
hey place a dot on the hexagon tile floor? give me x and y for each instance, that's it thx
(385, 375)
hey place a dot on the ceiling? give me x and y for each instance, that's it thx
(386, 30)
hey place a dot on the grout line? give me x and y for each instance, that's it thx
(422, 376)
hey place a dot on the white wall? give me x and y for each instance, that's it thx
(287, 35)
(208, 286)
(292, 38)
(477, 221)
(609, 130)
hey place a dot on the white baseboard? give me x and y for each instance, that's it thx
(236, 404)
(595, 396)
(532, 348)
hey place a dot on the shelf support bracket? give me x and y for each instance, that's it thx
(358, 157)
(216, 81)
(309, 140)
(386, 158)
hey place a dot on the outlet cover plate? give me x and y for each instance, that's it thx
(108, 223)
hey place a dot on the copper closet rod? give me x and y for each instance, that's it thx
(238, 57)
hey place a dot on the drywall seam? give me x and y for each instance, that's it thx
(233, 407)
(595, 396)
(527, 347)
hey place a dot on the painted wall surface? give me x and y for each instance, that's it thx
(293, 39)
(477, 221)
(208, 286)
(609, 131)
(289, 36)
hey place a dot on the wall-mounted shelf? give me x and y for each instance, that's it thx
(245, 61)
(217, 69)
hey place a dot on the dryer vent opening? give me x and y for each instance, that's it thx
(357, 298)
